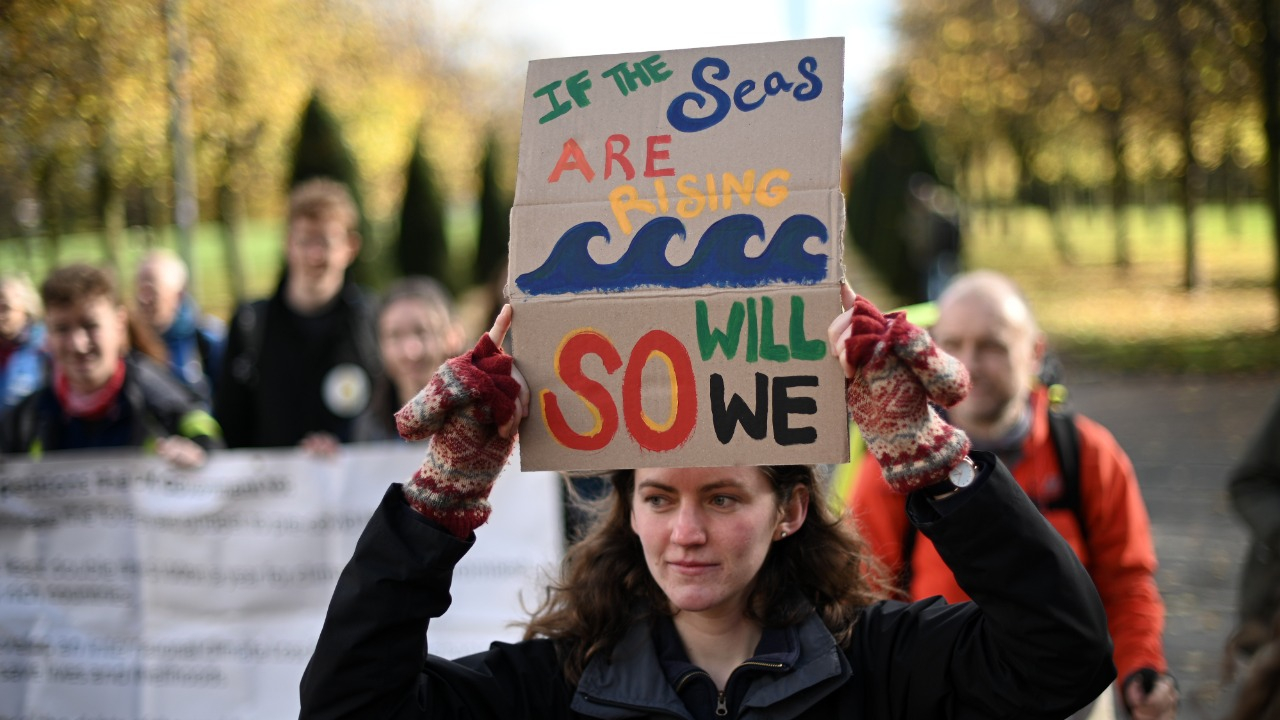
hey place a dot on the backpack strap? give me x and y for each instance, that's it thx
(1066, 445)
(1065, 437)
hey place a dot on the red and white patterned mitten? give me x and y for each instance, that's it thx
(460, 411)
(897, 371)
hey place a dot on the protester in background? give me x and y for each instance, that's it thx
(102, 395)
(299, 366)
(706, 592)
(1254, 485)
(23, 363)
(985, 322)
(194, 340)
(417, 331)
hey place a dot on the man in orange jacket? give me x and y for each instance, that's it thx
(985, 322)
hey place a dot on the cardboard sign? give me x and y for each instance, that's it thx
(676, 257)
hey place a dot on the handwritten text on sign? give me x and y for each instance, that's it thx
(685, 206)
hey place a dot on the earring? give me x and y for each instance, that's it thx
(784, 534)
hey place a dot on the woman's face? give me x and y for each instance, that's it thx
(86, 341)
(706, 532)
(415, 338)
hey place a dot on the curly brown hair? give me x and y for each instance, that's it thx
(604, 584)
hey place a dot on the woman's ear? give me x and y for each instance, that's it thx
(794, 510)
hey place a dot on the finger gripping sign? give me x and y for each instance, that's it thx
(676, 257)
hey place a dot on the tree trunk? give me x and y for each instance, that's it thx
(231, 215)
(50, 197)
(1190, 185)
(1271, 105)
(1119, 192)
(186, 209)
(1059, 215)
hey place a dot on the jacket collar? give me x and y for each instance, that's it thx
(632, 683)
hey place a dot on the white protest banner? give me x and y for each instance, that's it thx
(676, 256)
(130, 590)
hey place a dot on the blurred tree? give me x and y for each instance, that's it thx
(1268, 63)
(886, 223)
(421, 247)
(321, 151)
(1086, 93)
(85, 111)
(182, 152)
(495, 217)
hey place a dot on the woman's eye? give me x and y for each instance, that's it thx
(722, 501)
(654, 500)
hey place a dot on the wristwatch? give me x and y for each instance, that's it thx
(960, 477)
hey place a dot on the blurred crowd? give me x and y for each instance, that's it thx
(85, 363)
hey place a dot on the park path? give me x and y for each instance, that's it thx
(1183, 435)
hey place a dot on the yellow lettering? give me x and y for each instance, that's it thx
(624, 199)
(694, 201)
(769, 196)
(732, 186)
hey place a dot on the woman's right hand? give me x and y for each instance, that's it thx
(497, 334)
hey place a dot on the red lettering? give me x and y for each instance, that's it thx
(653, 153)
(568, 364)
(619, 155)
(660, 437)
(572, 158)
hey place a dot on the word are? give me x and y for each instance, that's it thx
(627, 78)
(747, 95)
(615, 152)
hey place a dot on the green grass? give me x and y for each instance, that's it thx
(1137, 320)
(261, 249)
(1141, 319)
(261, 256)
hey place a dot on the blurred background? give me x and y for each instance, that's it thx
(1115, 157)
(1118, 158)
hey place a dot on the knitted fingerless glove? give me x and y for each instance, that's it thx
(897, 371)
(460, 411)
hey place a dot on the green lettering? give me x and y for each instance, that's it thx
(769, 350)
(801, 347)
(709, 337)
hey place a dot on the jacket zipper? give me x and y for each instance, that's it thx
(722, 703)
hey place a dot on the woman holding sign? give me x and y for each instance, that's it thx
(721, 592)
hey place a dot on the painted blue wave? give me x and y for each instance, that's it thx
(720, 259)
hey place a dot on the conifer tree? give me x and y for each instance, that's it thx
(421, 247)
(495, 217)
(321, 151)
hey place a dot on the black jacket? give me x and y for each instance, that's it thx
(1033, 644)
(152, 404)
(285, 375)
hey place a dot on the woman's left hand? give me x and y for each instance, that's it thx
(181, 452)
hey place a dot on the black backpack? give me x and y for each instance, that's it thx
(1065, 437)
